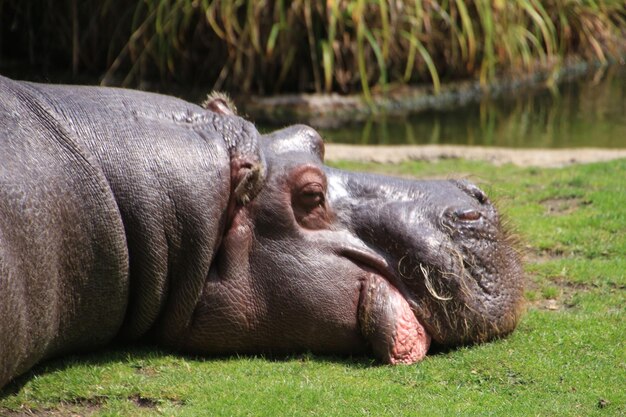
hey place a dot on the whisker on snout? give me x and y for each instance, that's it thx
(429, 286)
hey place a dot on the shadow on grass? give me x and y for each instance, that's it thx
(103, 356)
(129, 354)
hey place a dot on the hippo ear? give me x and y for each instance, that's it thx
(249, 181)
(220, 103)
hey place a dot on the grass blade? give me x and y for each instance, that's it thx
(430, 64)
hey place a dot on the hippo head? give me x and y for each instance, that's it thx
(331, 261)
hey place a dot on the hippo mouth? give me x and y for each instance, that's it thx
(385, 315)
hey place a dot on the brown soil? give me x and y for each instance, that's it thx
(563, 205)
(498, 156)
(62, 410)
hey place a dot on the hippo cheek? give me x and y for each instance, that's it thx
(385, 316)
(307, 301)
(333, 297)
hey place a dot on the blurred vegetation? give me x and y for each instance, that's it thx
(270, 46)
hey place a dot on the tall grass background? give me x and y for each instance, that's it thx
(271, 46)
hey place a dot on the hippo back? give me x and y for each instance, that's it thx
(168, 168)
(63, 257)
(112, 204)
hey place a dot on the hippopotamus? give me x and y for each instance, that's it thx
(128, 215)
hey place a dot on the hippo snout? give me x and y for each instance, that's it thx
(464, 214)
(451, 256)
(464, 221)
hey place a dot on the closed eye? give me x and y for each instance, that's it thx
(312, 196)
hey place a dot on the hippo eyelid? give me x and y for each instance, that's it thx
(312, 188)
(312, 194)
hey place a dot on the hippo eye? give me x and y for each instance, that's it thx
(309, 206)
(308, 198)
(312, 195)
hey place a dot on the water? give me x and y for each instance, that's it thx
(589, 112)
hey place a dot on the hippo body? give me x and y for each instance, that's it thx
(128, 215)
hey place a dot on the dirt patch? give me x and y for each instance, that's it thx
(84, 407)
(144, 402)
(540, 256)
(549, 158)
(80, 407)
(564, 205)
(61, 411)
(555, 293)
(146, 370)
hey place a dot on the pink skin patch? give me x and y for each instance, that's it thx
(388, 322)
(411, 341)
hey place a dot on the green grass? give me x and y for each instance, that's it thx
(567, 357)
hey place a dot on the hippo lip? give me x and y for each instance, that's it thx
(369, 260)
(410, 339)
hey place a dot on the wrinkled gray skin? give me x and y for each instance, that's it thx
(128, 215)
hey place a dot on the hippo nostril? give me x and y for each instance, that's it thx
(467, 215)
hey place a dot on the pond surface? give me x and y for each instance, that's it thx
(588, 112)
